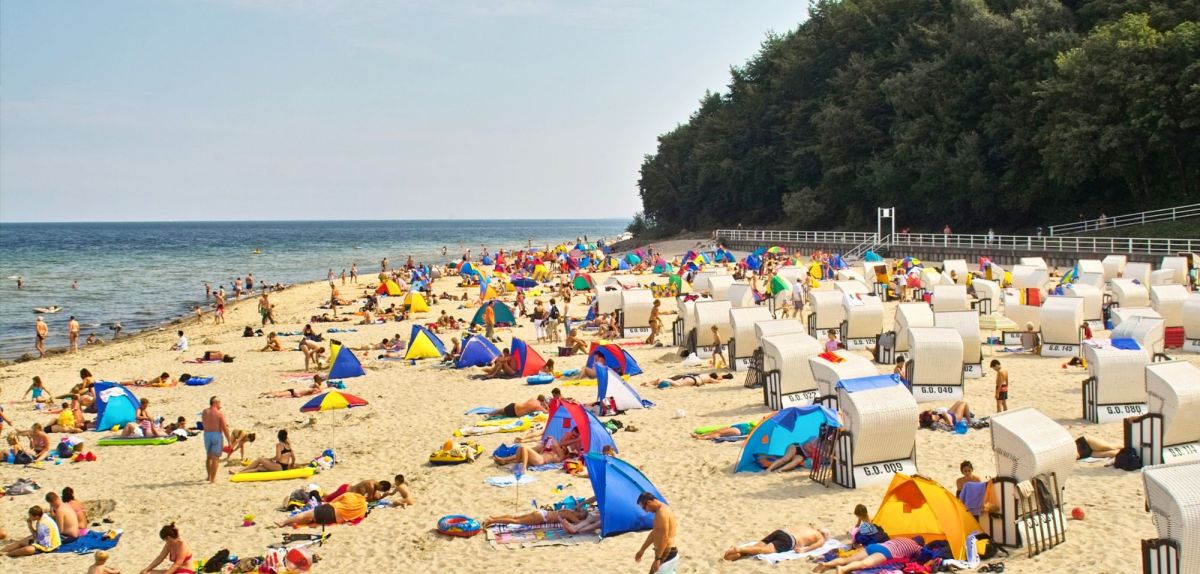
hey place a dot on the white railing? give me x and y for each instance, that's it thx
(858, 251)
(768, 237)
(1168, 214)
(983, 243)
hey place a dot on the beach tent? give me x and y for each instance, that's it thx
(467, 269)
(529, 362)
(389, 288)
(487, 260)
(116, 406)
(504, 313)
(793, 425)
(416, 302)
(615, 357)
(681, 287)
(583, 282)
(610, 385)
(918, 506)
(632, 258)
(342, 362)
(567, 415)
(617, 485)
(423, 344)
(477, 351)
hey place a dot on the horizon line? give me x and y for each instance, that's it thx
(30, 222)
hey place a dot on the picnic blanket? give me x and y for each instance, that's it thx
(793, 555)
(92, 541)
(522, 536)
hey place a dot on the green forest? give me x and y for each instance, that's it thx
(973, 113)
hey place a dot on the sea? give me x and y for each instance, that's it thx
(144, 275)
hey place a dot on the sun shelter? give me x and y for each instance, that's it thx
(615, 391)
(1061, 331)
(910, 315)
(740, 295)
(1093, 300)
(1116, 386)
(1178, 266)
(744, 342)
(966, 323)
(415, 302)
(1168, 300)
(701, 282)
(828, 369)
(848, 276)
(565, 416)
(116, 406)
(950, 298)
(1029, 445)
(583, 282)
(935, 367)
(827, 312)
(711, 314)
(1114, 266)
(786, 375)
(1169, 432)
(1139, 271)
(1162, 277)
(863, 322)
(423, 344)
(617, 486)
(718, 286)
(1037, 262)
(616, 357)
(1129, 294)
(529, 362)
(1147, 331)
(504, 313)
(389, 288)
(765, 329)
(1191, 323)
(1022, 316)
(1120, 314)
(879, 432)
(918, 506)
(790, 426)
(633, 318)
(477, 351)
(1171, 497)
(342, 362)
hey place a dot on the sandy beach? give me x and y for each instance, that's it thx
(415, 408)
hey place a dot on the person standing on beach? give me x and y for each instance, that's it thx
(343, 276)
(237, 288)
(264, 309)
(216, 433)
(354, 272)
(662, 535)
(207, 291)
(383, 265)
(489, 321)
(42, 332)
(333, 298)
(219, 307)
(329, 277)
(1001, 386)
(249, 282)
(73, 334)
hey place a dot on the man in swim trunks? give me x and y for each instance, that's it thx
(801, 540)
(215, 429)
(513, 410)
(662, 535)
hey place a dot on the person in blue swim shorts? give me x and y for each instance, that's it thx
(216, 432)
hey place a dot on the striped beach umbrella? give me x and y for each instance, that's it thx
(332, 400)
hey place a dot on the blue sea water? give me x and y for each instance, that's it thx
(145, 274)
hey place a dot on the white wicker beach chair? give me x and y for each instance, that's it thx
(1116, 387)
(1162, 277)
(710, 314)
(1139, 271)
(718, 286)
(1147, 331)
(793, 273)
(950, 298)
(1120, 314)
(634, 315)
(853, 276)
(935, 367)
(685, 324)
(931, 277)
(700, 281)
(864, 321)
(1191, 323)
(744, 341)
(1023, 315)
(789, 380)
(910, 315)
(827, 311)
(959, 267)
(1034, 262)
(776, 327)
(852, 286)
(827, 374)
(1028, 445)
(740, 295)
(1030, 277)
(1126, 293)
(1173, 499)
(966, 323)
(1170, 430)
(608, 301)
(1168, 300)
(988, 294)
(1093, 300)
(1178, 267)
(878, 436)
(1114, 266)
(1090, 266)
(1061, 320)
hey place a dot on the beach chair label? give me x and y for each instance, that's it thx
(1186, 452)
(973, 370)
(1059, 350)
(932, 393)
(881, 472)
(798, 399)
(1191, 345)
(630, 332)
(860, 344)
(704, 352)
(1012, 338)
(1117, 413)
(743, 363)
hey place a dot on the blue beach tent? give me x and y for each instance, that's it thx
(793, 425)
(344, 364)
(116, 406)
(618, 485)
(567, 415)
(477, 351)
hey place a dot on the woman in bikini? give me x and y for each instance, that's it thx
(284, 458)
(317, 385)
(143, 425)
(689, 380)
(537, 517)
(175, 550)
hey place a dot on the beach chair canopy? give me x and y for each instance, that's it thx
(1028, 443)
(1173, 389)
(881, 416)
(1171, 497)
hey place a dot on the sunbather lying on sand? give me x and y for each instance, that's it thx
(801, 539)
(314, 388)
(792, 458)
(537, 517)
(348, 507)
(873, 555)
(736, 429)
(513, 410)
(689, 380)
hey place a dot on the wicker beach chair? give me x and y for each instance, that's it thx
(634, 315)
(1178, 267)
(754, 376)
(1190, 313)
(1174, 501)
(864, 319)
(1168, 300)
(987, 293)
(966, 323)
(1061, 317)
(879, 433)
(1093, 300)
(1029, 445)
(959, 267)
(788, 379)
(827, 374)
(1114, 266)
(1115, 383)
(827, 311)
(1170, 429)
(1034, 262)
(744, 341)
(708, 314)
(1147, 330)
(740, 295)
(1138, 270)
(910, 315)
(950, 298)
(935, 367)
(1128, 294)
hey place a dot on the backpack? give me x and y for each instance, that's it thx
(861, 539)
(986, 547)
(1128, 459)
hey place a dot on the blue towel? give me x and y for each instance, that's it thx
(505, 450)
(198, 381)
(90, 542)
(481, 411)
(340, 330)
(1126, 344)
(336, 385)
(972, 496)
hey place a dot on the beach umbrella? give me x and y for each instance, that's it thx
(332, 401)
(524, 283)
(775, 249)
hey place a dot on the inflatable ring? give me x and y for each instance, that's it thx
(458, 525)
(540, 379)
(443, 456)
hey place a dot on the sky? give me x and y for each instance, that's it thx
(163, 110)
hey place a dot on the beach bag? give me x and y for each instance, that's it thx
(1128, 459)
(878, 537)
(217, 562)
(936, 550)
(21, 458)
(986, 547)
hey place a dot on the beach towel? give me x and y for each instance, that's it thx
(481, 411)
(972, 496)
(832, 357)
(340, 330)
(92, 541)
(546, 467)
(1126, 344)
(507, 481)
(523, 536)
(778, 557)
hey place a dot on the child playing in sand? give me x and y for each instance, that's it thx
(401, 492)
(1001, 386)
(39, 392)
(99, 567)
(865, 531)
(717, 349)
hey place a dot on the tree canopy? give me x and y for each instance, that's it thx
(980, 114)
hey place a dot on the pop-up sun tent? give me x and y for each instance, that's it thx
(582, 282)
(618, 485)
(529, 362)
(416, 302)
(566, 415)
(389, 288)
(610, 385)
(918, 506)
(116, 406)
(504, 313)
(615, 357)
(342, 362)
(793, 425)
(477, 351)
(423, 344)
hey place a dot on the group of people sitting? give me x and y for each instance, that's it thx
(65, 521)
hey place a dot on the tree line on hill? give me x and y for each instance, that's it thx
(974, 113)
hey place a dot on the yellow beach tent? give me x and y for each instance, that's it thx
(915, 505)
(416, 302)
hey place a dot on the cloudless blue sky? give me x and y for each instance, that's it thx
(352, 109)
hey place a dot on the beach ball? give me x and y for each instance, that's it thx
(1077, 513)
